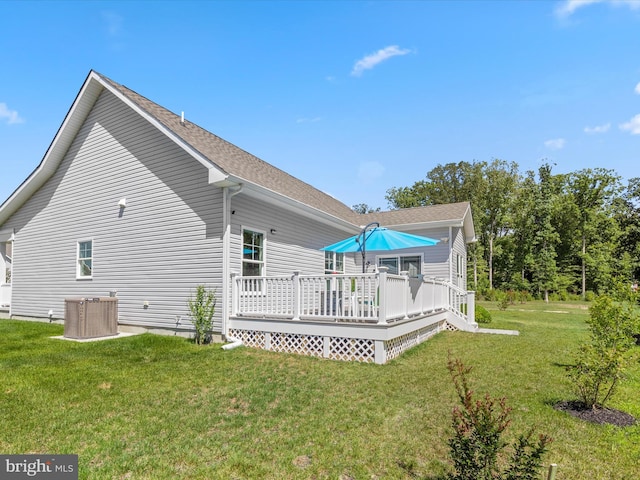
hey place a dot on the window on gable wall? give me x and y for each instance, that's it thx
(252, 253)
(85, 259)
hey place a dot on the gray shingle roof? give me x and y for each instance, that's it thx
(432, 213)
(236, 162)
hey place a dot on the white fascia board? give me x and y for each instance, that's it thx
(292, 205)
(466, 223)
(216, 175)
(6, 235)
(67, 132)
(469, 227)
(410, 227)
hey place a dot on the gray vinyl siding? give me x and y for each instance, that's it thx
(459, 248)
(436, 257)
(295, 245)
(166, 241)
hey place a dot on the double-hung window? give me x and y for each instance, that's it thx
(84, 265)
(333, 262)
(252, 253)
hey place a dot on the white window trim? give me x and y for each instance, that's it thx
(264, 247)
(399, 256)
(334, 261)
(93, 256)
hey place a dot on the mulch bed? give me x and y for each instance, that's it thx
(600, 416)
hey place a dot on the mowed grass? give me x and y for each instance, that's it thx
(156, 407)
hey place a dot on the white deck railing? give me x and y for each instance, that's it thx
(373, 298)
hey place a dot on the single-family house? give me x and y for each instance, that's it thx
(133, 201)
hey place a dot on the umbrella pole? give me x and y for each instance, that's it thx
(364, 242)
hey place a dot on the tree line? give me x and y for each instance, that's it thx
(546, 234)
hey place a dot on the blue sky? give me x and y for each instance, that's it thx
(351, 97)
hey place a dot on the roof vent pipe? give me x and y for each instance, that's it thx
(182, 119)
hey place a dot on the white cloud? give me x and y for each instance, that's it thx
(369, 172)
(555, 144)
(632, 126)
(569, 7)
(370, 61)
(598, 129)
(637, 89)
(11, 116)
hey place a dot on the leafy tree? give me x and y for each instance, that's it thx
(449, 183)
(626, 212)
(592, 192)
(363, 208)
(493, 203)
(563, 233)
(523, 229)
(545, 269)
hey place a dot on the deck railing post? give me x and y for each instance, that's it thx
(382, 295)
(296, 294)
(235, 298)
(407, 293)
(471, 307)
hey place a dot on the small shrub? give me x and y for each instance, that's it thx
(504, 303)
(523, 296)
(601, 362)
(482, 315)
(202, 308)
(477, 447)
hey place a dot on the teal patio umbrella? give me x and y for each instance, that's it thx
(375, 237)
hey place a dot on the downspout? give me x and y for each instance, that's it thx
(450, 255)
(226, 267)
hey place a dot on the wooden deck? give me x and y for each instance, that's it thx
(366, 317)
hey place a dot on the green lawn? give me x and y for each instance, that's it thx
(156, 407)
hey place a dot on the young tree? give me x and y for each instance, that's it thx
(202, 307)
(477, 446)
(602, 361)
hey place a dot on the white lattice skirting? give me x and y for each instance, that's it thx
(337, 348)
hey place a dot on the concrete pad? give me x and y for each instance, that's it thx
(497, 331)
(97, 339)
